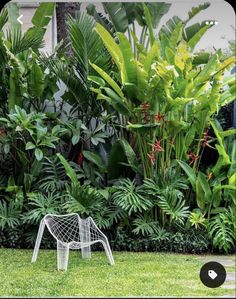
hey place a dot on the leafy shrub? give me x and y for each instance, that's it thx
(12, 237)
(179, 240)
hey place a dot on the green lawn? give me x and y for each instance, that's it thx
(134, 274)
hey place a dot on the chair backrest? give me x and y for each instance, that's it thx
(65, 228)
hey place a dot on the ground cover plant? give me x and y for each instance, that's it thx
(126, 141)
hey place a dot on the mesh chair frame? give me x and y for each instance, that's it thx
(71, 232)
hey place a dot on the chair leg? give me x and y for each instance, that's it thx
(38, 241)
(85, 238)
(107, 248)
(62, 256)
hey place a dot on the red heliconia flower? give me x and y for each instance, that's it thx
(145, 106)
(157, 146)
(192, 158)
(80, 159)
(152, 158)
(159, 117)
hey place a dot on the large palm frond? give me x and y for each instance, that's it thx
(86, 44)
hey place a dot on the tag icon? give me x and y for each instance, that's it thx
(212, 274)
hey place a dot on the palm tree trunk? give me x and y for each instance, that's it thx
(62, 10)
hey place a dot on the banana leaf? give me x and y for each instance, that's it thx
(149, 24)
(36, 80)
(207, 71)
(118, 15)
(196, 38)
(195, 10)
(130, 75)
(43, 14)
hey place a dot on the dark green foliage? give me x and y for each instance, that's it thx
(178, 240)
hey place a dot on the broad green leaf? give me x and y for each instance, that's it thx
(130, 74)
(196, 38)
(117, 14)
(94, 158)
(149, 24)
(176, 35)
(99, 81)
(38, 154)
(75, 139)
(29, 146)
(112, 47)
(157, 10)
(226, 64)
(227, 133)
(141, 127)
(129, 153)
(200, 195)
(190, 173)
(43, 14)
(232, 180)
(36, 80)
(205, 185)
(69, 170)
(15, 93)
(216, 197)
(118, 103)
(120, 153)
(153, 53)
(195, 10)
(108, 79)
(207, 71)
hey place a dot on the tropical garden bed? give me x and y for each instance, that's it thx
(134, 142)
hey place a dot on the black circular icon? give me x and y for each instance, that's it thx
(212, 274)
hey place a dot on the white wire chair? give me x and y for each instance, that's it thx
(72, 232)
